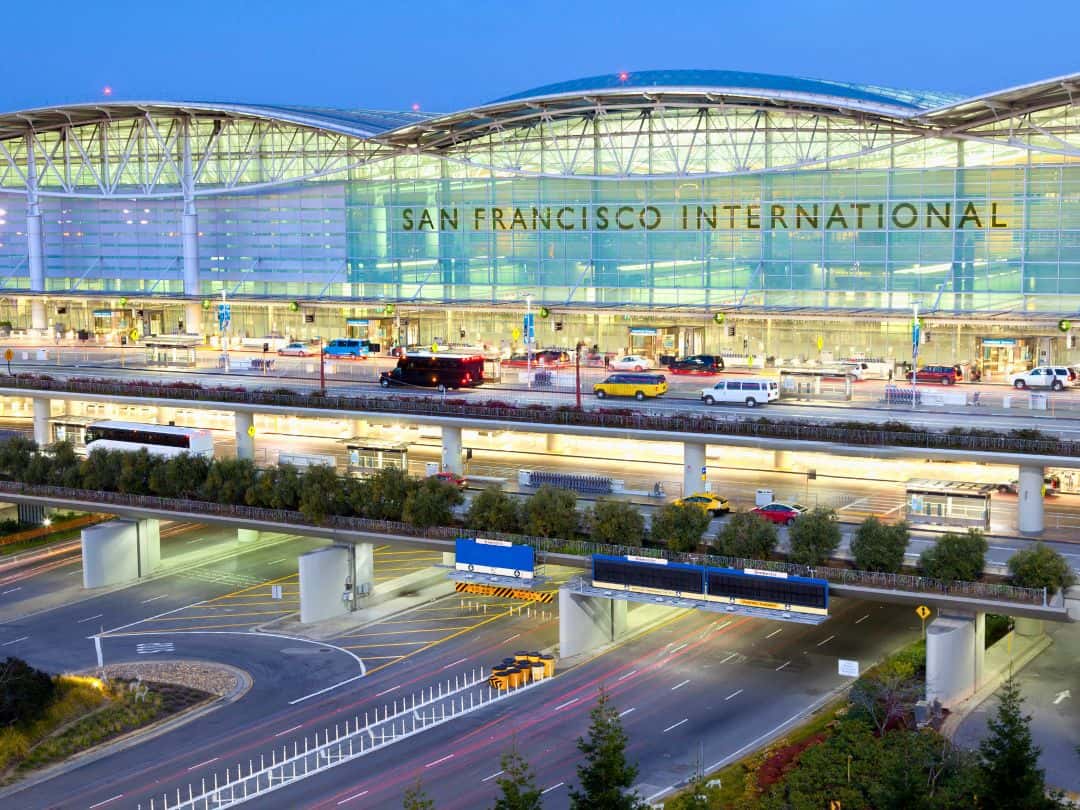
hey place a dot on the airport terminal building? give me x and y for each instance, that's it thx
(666, 212)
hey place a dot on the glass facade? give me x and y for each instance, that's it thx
(678, 207)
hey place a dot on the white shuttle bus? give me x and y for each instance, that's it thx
(158, 440)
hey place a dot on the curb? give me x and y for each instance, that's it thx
(132, 738)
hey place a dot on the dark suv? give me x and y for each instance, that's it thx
(697, 364)
(946, 375)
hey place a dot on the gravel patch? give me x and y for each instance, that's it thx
(217, 680)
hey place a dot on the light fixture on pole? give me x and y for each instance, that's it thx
(528, 339)
(577, 370)
(916, 337)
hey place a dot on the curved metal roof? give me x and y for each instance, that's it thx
(358, 123)
(738, 80)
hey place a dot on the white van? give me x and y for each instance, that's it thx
(751, 391)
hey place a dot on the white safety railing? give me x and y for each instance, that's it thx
(404, 718)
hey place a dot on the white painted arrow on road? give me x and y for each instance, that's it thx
(1062, 696)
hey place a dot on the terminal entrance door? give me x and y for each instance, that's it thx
(1000, 357)
(691, 341)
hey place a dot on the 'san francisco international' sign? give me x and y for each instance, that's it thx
(834, 216)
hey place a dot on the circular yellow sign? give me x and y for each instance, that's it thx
(9, 355)
(251, 431)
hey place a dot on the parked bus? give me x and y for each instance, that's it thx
(370, 455)
(158, 440)
(439, 371)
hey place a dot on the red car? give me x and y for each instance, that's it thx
(783, 514)
(946, 375)
(452, 478)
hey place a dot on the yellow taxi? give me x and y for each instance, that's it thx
(630, 384)
(707, 502)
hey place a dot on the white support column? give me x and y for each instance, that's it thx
(1029, 502)
(955, 656)
(35, 242)
(120, 551)
(693, 463)
(782, 459)
(588, 622)
(189, 234)
(451, 450)
(42, 409)
(363, 568)
(245, 439)
(322, 584)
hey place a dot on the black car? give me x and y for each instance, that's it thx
(698, 364)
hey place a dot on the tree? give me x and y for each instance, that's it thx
(615, 522)
(886, 698)
(416, 799)
(15, 455)
(100, 470)
(1009, 760)
(552, 512)
(276, 488)
(1040, 567)
(321, 494)
(680, 526)
(747, 535)
(431, 504)
(24, 691)
(814, 537)
(382, 495)
(517, 785)
(606, 775)
(228, 480)
(880, 546)
(136, 469)
(493, 510)
(955, 556)
(64, 470)
(182, 476)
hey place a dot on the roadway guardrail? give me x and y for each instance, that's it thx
(854, 433)
(908, 583)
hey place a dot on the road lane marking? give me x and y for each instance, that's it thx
(489, 778)
(512, 637)
(286, 731)
(325, 689)
(90, 618)
(861, 618)
(625, 712)
(455, 663)
(354, 796)
(4, 593)
(100, 804)
(679, 685)
(782, 666)
(201, 764)
(725, 624)
(826, 641)
(678, 648)
(436, 762)
(774, 632)
(153, 599)
(676, 725)
(734, 694)
(387, 691)
(275, 562)
(733, 655)
(564, 705)
(14, 641)
(627, 675)
(553, 787)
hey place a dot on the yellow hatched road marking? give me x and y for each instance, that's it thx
(251, 588)
(181, 629)
(439, 641)
(405, 632)
(380, 646)
(182, 618)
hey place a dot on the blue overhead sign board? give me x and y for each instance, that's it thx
(528, 324)
(494, 557)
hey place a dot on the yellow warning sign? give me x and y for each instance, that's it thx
(251, 431)
(922, 611)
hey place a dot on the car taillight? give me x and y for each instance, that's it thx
(466, 378)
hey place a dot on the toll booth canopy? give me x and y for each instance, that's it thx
(948, 503)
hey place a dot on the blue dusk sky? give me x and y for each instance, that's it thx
(445, 55)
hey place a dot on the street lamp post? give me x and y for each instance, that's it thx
(322, 367)
(577, 371)
(528, 339)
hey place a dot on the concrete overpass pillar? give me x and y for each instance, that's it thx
(120, 551)
(245, 434)
(363, 568)
(955, 656)
(451, 450)
(42, 410)
(693, 464)
(1029, 502)
(322, 583)
(782, 459)
(588, 622)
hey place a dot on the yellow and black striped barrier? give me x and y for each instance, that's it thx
(544, 597)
